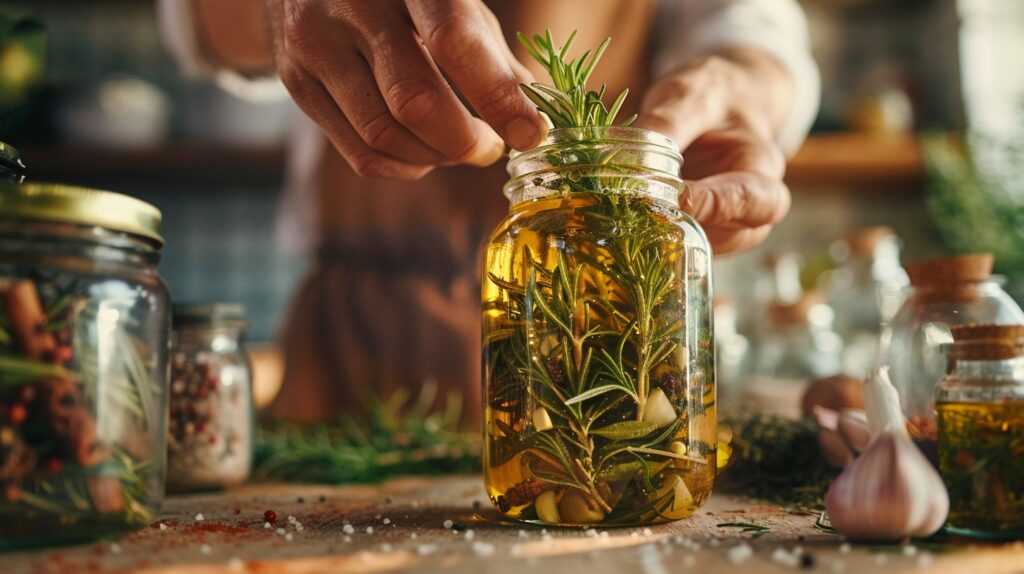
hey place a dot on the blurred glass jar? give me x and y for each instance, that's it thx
(210, 434)
(944, 292)
(865, 292)
(980, 414)
(732, 355)
(800, 343)
(84, 325)
(777, 281)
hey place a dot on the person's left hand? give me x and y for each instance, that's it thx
(723, 111)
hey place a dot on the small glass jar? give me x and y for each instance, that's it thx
(210, 433)
(799, 343)
(980, 415)
(598, 350)
(944, 292)
(865, 292)
(84, 326)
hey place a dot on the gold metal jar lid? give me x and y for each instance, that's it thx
(81, 206)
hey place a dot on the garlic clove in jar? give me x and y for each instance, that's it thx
(891, 491)
(542, 420)
(579, 508)
(546, 505)
(658, 409)
(682, 500)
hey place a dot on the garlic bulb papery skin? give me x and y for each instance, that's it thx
(890, 491)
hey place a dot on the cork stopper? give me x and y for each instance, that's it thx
(956, 269)
(862, 243)
(986, 342)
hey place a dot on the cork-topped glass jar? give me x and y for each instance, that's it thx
(944, 293)
(980, 415)
(598, 351)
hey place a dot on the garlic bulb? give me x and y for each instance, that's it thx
(658, 409)
(891, 491)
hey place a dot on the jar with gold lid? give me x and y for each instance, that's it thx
(944, 293)
(980, 414)
(598, 350)
(84, 327)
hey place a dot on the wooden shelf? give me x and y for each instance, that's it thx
(858, 163)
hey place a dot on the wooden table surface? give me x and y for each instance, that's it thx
(401, 526)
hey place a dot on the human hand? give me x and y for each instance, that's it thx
(375, 77)
(723, 111)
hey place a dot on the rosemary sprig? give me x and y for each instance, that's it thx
(568, 102)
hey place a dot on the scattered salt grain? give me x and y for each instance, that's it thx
(299, 528)
(200, 517)
(205, 549)
(470, 534)
(648, 532)
(369, 530)
(448, 524)
(483, 548)
(634, 534)
(291, 519)
(925, 560)
(523, 534)
(115, 548)
(289, 537)
(591, 532)
(910, 550)
(347, 540)
(280, 531)
(784, 557)
(413, 536)
(266, 525)
(348, 529)
(386, 547)
(163, 526)
(714, 543)
(426, 549)
(740, 553)
(844, 548)
(387, 521)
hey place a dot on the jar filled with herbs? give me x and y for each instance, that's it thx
(944, 293)
(84, 324)
(980, 410)
(209, 436)
(597, 318)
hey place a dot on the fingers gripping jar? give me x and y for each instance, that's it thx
(210, 432)
(84, 325)
(598, 357)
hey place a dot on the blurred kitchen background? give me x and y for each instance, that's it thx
(113, 111)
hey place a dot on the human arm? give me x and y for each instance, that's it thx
(740, 92)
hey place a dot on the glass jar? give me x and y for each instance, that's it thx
(598, 350)
(83, 360)
(944, 292)
(865, 292)
(210, 433)
(980, 414)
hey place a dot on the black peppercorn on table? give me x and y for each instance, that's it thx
(446, 524)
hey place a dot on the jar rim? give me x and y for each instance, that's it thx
(207, 315)
(605, 134)
(59, 203)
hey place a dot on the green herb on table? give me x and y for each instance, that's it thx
(756, 530)
(397, 437)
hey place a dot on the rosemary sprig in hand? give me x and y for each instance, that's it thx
(568, 103)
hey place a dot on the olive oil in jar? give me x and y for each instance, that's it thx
(598, 361)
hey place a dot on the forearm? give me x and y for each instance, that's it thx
(233, 34)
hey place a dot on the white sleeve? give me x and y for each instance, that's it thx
(693, 28)
(177, 28)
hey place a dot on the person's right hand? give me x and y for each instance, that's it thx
(375, 76)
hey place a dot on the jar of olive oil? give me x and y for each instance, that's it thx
(597, 321)
(980, 415)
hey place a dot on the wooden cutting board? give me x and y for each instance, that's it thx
(401, 526)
